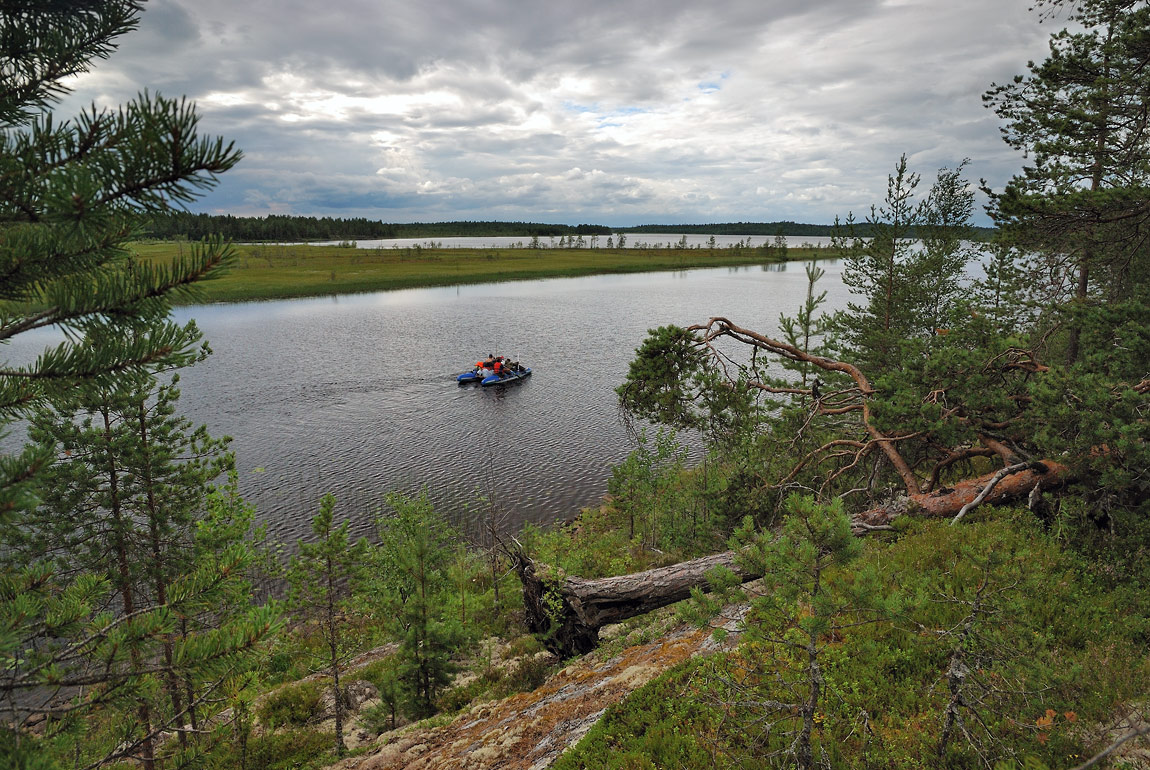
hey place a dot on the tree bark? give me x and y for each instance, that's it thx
(946, 502)
(567, 612)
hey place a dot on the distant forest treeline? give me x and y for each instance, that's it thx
(279, 227)
(765, 228)
(737, 228)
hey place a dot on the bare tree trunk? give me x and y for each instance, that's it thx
(332, 629)
(120, 546)
(159, 581)
(569, 611)
(946, 502)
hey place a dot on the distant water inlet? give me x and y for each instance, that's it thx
(356, 394)
(630, 241)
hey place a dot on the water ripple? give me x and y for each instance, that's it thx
(356, 395)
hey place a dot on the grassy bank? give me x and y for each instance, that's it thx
(280, 271)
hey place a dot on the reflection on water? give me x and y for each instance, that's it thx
(357, 395)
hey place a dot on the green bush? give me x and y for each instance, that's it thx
(527, 674)
(656, 727)
(294, 749)
(290, 749)
(378, 672)
(457, 698)
(494, 682)
(379, 718)
(294, 705)
(279, 664)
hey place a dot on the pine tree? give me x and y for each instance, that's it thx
(1081, 213)
(906, 289)
(805, 330)
(938, 270)
(129, 499)
(874, 270)
(1081, 116)
(416, 545)
(323, 577)
(70, 197)
(71, 194)
(811, 596)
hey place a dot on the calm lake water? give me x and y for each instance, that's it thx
(356, 394)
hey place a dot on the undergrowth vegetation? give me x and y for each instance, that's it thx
(1027, 643)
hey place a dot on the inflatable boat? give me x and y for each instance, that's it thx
(508, 374)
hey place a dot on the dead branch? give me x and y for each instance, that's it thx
(1007, 454)
(953, 457)
(568, 611)
(947, 501)
(721, 327)
(1134, 733)
(1017, 468)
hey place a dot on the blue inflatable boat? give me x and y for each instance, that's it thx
(511, 371)
(506, 376)
(482, 374)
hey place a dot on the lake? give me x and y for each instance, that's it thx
(356, 394)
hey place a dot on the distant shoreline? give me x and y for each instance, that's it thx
(263, 272)
(278, 228)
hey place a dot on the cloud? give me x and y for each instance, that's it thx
(608, 111)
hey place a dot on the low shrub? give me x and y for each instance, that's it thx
(290, 749)
(527, 674)
(379, 718)
(1051, 651)
(294, 749)
(294, 705)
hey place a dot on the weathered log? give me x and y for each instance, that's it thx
(567, 612)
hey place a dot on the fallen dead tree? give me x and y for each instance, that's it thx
(568, 611)
(947, 502)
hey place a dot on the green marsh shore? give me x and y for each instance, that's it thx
(284, 271)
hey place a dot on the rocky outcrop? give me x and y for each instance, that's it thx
(355, 694)
(530, 730)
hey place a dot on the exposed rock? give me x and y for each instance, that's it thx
(529, 731)
(355, 694)
(1131, 729)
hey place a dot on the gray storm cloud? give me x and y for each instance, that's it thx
(670, 111)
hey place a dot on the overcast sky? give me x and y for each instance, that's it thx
(616, 112)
